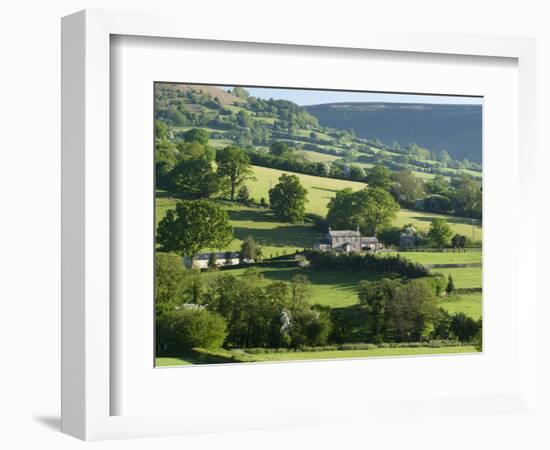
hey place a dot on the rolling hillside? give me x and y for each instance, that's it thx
(455, 128)
(223, 96)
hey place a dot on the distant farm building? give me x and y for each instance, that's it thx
(347, 241)
(222, 259)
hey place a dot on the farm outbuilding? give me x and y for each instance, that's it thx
(222, 259)
(347, 241)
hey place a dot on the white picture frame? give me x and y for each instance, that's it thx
(87, 326)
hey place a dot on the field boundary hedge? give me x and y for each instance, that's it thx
(453, 266)
(475, 290)
(369, 263)
(359, 346)
(437, 249)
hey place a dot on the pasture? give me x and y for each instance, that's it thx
(329, 287)
(469, 304)
(317, 156)
(422, 220)
(448, 257)
(320, 189)
(320, 355)
(469, 277)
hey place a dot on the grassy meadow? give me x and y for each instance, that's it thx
(286, 238)
(468, 277)
(329, 287)
(320, 189)
(320, 355)
(449, 257)
(469, 304)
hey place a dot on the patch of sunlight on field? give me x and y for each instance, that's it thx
(320, 189)
(474, 257)
(469, 277)
(422, 220)
(469, 304)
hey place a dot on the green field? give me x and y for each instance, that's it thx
(320, 189)
(340, 289)
(469, 304)
(318, 157)
(470, 277)
(422, 220)
(330, 288)
(168, 361)
(335, 354)
(441, 257)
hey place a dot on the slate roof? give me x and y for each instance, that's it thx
(370, 239)
(219, 255)
(344, 233)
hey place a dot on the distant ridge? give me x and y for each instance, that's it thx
(455, 128)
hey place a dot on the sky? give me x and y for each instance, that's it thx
(304, 97)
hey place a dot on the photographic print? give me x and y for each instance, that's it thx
(302, 224)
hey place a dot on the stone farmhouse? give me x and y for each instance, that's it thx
(347, 241)
(222, 259)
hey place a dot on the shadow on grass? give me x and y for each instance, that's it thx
(337, 280)
(319, 188)
(282, 236)
(252, 215)
(270, 231)
(450, 219)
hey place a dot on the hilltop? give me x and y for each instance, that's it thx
(224, 97)
(455, 128)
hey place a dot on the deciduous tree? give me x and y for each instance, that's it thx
(196, 135)
(288, 199)
(195, 178)
(192, 226)
(249, 249)
(380, 177)
(371, 209)
(440, 232)
(233, 168)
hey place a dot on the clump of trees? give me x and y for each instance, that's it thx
(250, 249)
(288, 199)
(238, 312)
(367, 263)
(391, 310)
(190, 326)
(371, 209)
(192, 226)
(233, 169)
(440, 233)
